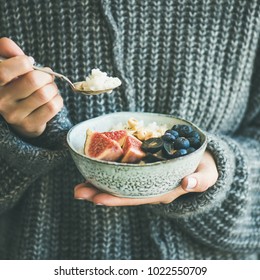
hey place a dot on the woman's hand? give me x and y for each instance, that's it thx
(204, 177)
(28, 98)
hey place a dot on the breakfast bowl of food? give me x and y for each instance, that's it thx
(136, 154)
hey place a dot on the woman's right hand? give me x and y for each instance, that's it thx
(28, 98)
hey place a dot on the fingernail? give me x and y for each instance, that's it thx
(31, 60)
(77, 187)
(79, 198)
(99, 204)
(192, 182)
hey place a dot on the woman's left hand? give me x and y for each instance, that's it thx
(203, 178)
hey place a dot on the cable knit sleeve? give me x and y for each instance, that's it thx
(227, 214)
(23, 160)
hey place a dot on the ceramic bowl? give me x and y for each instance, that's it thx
(132, 180)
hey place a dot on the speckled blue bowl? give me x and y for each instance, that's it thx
(132, 180)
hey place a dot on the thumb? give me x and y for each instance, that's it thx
(204, 177)
(192, 183)
(199, 181)
(8, 48)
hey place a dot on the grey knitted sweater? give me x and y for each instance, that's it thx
(198, 60)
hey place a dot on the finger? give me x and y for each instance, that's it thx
(34, 124)
(15, 112)
(84, 185)
(9, 48)
(110, 200)
(14, 67)
(84, 191)
(198, 182)
(205, 176)
(89, 192)
(40, 97)
(47, 111)
(24, 86)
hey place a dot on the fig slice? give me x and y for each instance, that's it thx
(117, 135)
(132, 150)
(99, 146)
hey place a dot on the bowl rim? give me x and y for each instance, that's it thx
(114, 163)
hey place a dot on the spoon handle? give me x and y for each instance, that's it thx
(48, 71)
(54, 74)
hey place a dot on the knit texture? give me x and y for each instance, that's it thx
(197, 60)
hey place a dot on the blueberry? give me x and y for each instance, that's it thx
(176, 127)
(181, 143)
(185, 130)
(191, 150)
(173, 132)
(152, 145)
(180, 153)
(194, 134)
(168, 137)
(194, 142)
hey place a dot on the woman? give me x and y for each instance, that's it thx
(197, 61)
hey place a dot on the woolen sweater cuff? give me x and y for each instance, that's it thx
(35, 156)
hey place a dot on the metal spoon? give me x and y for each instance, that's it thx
(73, 85)
(64, 78)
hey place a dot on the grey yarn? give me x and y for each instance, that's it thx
(197, 60)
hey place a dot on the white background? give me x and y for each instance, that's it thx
(44, 270)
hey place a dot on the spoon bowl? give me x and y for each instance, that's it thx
(90, 92)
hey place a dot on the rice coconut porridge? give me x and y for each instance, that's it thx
(98, 81)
